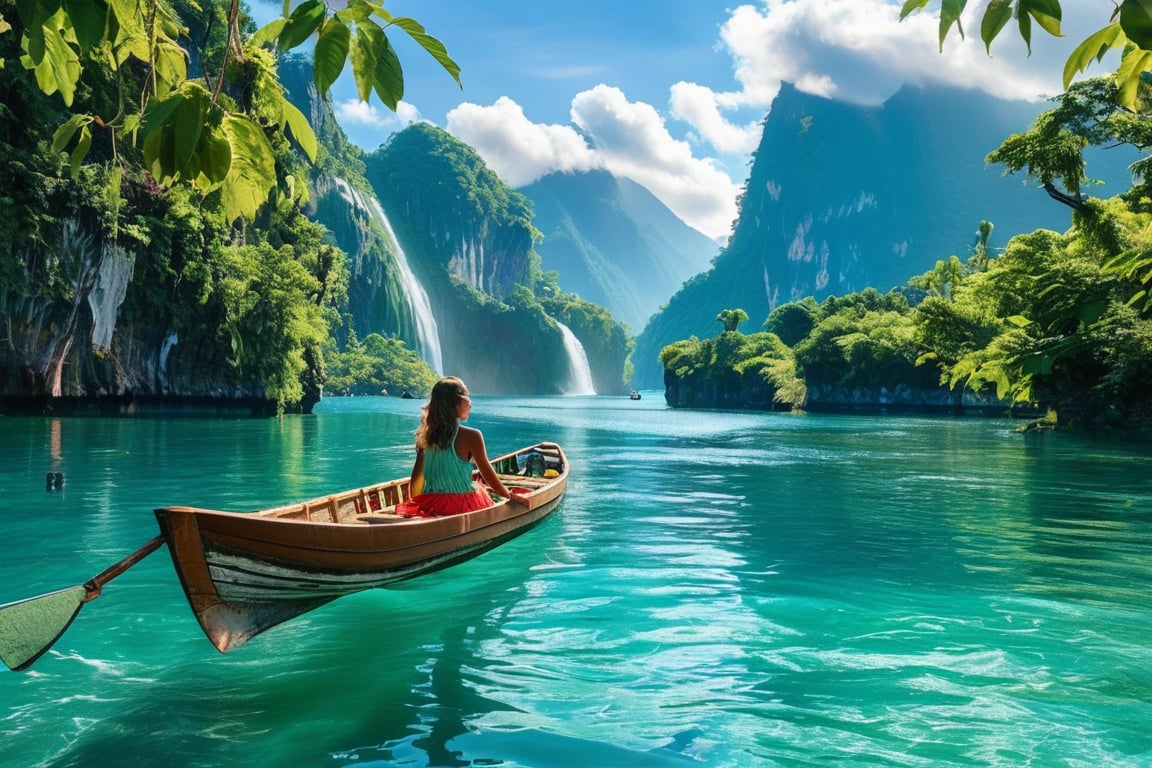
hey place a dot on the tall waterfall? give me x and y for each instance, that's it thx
(580, 374)
(427, 334)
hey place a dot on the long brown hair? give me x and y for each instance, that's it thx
(439, 421)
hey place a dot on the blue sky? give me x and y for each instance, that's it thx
(671, 93)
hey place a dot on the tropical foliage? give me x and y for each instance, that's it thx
(376, 366)
(211, 133)
(731, 370)
(1129, 30)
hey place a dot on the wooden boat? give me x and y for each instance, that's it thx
(246, 572)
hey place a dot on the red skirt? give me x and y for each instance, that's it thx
(443, 504)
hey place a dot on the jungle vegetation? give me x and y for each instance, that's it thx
(152, 143)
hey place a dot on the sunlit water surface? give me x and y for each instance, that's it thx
(718, 589)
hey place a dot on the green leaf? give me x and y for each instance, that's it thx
(436, 48)
(355, 12)
(1019, 321)
(1136, 21)
(171, 64)
(62, 137)
(911, 6)
(1024, 21)
(996, 15)
(1091, 311)
(253, 172)
(950, 11)
(34, 14)
(215, 157)
(172, 129)
(388, 77)
(1037, 364)
(131, 38)
(89, 20)
(1093, 48)
(331, 54)
(1046, 13)
(59, 69)
(297, 123)
(269, 32)
(305, 20)
(1133, 63)
(363, 55)
(187, 123)
(81, 150)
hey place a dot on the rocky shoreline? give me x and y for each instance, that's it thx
(141, 405)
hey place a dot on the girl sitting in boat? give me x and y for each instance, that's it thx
(441, 482)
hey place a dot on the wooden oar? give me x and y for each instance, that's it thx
(29, 627)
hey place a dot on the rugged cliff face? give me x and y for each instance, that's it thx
(842, 197)
(95, 341)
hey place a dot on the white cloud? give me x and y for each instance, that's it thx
(357, 112)
(700, 107)
(518, 150)
(634, 142)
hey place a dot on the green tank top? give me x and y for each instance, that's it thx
(445, 472)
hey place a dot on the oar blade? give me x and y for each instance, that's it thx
(29, 627)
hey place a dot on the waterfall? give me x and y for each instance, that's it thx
(427, 334)
(580, 375)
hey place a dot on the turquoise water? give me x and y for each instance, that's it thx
(717, 589)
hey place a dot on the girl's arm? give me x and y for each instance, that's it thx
(416, 481)
(475, 443)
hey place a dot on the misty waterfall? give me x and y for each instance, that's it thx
(580, 374)
(427, 334)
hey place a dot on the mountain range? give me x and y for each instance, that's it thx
(614, 243)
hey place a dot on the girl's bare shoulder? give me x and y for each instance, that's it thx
(471, 434)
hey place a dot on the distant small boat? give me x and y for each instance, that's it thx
(634, 395)
(246, 572)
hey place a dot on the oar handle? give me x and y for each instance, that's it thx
(97, 582)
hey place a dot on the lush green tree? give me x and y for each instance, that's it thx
(793, 321)
(861, 302)
(731, 370)
(376, 366)
(862, 349)
(978, 262)
(731, 318)
(1058, 309)
(942, 280)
